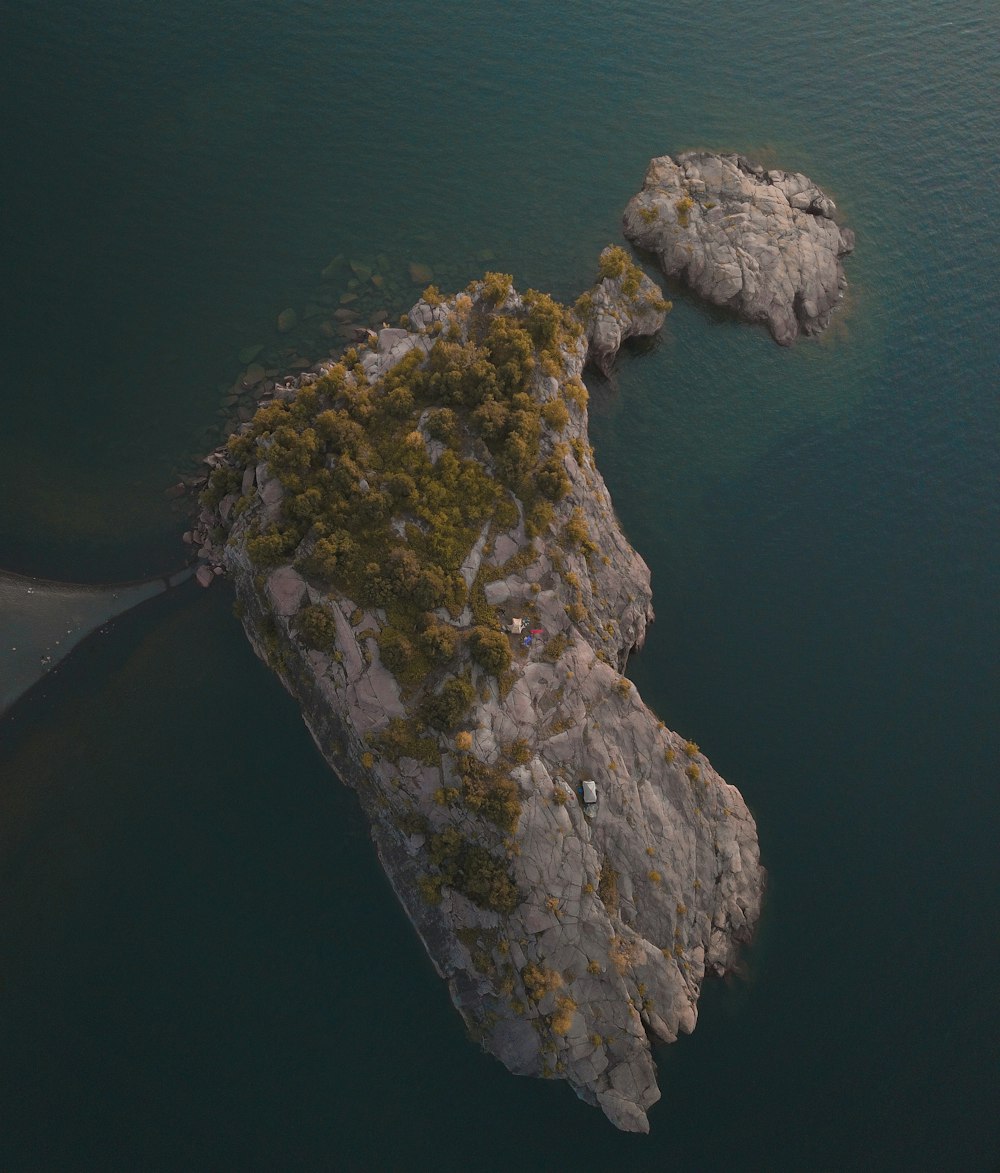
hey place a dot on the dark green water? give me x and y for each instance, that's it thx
(202, 966)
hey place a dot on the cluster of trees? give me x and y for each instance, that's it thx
(367, 512)
(490, 791)
(471, 869)
(444, 709)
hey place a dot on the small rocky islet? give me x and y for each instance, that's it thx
(764, 243)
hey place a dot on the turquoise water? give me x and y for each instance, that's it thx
(202, 965)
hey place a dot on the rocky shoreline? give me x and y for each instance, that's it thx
(567, 937)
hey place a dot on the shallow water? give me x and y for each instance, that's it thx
(41, 622)
(203, 965)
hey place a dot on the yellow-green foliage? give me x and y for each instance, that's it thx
(519, 752)
(318, 627)
(472, 870)
(683, 208)
(614, 261)
(490, 791)
(556, 414)
(607, 887)
(443, 710)
(430, 889)
(576, 393)
(490, 649)
(356, 471)
(497, 287)
(539, 981)
(406, 738)
(562, 1019)
(577, 533)
(555, 646)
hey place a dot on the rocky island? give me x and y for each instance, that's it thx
(762, 242)
(424, 551)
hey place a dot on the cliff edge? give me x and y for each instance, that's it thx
(424, 551)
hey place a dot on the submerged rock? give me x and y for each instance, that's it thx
(249, 353)
(763, 242)
(454, 621)
(287, 320)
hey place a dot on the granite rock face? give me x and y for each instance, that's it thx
(765, 243)
(623, 304)
(621, 913)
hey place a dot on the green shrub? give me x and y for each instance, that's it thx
(470, 869)
(562, 1019)
(556, 414)
(403, 739)
(519, 752)
(490, 649)
(576, 531)
(497, 287)
(576, 393)
(318, 627)
(272, 547)
(539, 518)
(552, 479)
(545, 321)
(607, 887)
(443, 710)
(222, 481)
(439, 641)
(539, 981)
(490, 791)
(430, 889)
(613, 262)
(395, 649)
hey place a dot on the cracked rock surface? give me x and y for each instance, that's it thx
(762, 242)
(619, 915)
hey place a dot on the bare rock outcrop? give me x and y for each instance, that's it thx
(763, 242)
(623, 304)
(567, 937)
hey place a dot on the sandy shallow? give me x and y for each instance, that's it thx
(41, 622)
